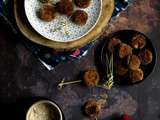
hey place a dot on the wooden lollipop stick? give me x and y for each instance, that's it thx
(63, 83)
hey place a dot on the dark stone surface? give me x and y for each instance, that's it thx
(23, 79)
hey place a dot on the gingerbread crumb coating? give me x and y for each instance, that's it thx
(47, 12)
(146, 56)
(138, 41)
(82, 3)
(91, 78)
(79, 17)
(113, 43)
(92, 108)
(136, 75)
(65, 7)
(125, 50)
(134, 62)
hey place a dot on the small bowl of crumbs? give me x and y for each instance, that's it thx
(44, 110)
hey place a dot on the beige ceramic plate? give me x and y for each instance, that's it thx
(61, 29)
(28, 31)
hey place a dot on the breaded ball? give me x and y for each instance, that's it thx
(112, 44)
(136, 75)
(134, 62)
(44, 1)
(91, 78)
(47, 13)
(82, 3)
(65, 7)
(92, 108)
(125, 50)
(138, 41)
(146, 56)
(79, 17)
(121, 69)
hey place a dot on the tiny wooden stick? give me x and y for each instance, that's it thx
(62, 83)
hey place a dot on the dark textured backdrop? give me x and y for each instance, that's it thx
(23, 79)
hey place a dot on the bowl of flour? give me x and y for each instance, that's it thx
(44, 110)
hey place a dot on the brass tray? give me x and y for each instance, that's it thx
(31, 34)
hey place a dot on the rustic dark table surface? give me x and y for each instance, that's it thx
(24, 79)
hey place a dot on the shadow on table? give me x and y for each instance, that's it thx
(16, 110)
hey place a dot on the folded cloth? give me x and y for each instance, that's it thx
(120, 5)
(51, 58)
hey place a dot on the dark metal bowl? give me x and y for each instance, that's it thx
(125, 36)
